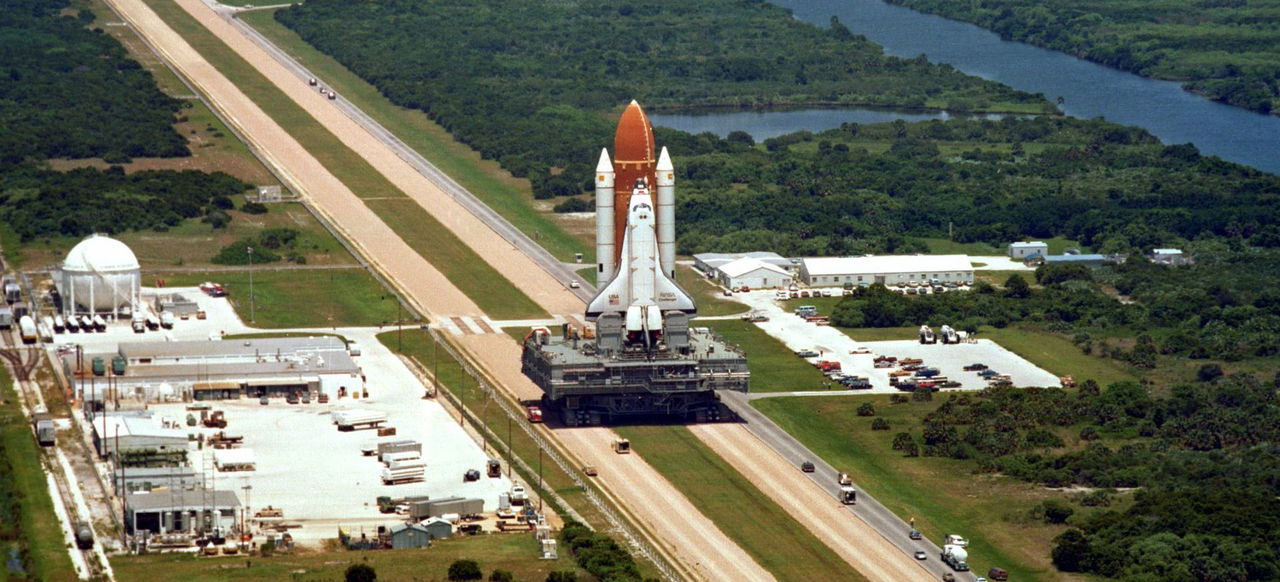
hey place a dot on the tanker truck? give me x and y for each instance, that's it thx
(955, 557)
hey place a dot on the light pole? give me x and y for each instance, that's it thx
(252, 319)
(245, 520)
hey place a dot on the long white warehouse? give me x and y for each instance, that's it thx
(887, 270)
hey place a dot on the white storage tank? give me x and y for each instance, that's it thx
(101, 275)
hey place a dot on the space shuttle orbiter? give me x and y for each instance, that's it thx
(635, 234)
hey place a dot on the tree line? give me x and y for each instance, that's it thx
(73, 92)
(1203, 458)
(1228, 50)
(533, 84)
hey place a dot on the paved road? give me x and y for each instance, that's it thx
(886, 523)
(505, 229)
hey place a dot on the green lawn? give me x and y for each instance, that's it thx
(708, 296)
(193, 243)
(1058, 355)
(774, 368)
(492, 292)
(942, 495)
(302, 298)
(515, 552)
(458, 262)
(784, 547)
(942, 246)
(509, 196)
(24, 487)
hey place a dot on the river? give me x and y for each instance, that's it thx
(1088, 90)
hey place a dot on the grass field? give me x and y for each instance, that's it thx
(708, 296)
(942, 495)
(941, 246)
(213, 146)
(492, 292)
(1058, 355)
(459, 264)
(509, 196)
(515, 552)
(193, 243)
(784, 548)
(301, 298)
(24, 486)
(774, 368)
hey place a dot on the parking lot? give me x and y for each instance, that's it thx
(834, 345)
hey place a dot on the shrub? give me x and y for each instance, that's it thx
(879, 424)
(1209, 372)
(1054, 511)
(563, 576)
(922, 395)
(866, 409)
(465, 570)
(360, 573)
(898, 399)
(254, 208)
(501, 575)
(574, 204)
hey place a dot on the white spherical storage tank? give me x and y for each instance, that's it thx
(101, 275)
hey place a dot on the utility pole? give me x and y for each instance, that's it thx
(252, 319)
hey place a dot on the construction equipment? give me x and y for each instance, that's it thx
(494, 468)
(926, 335)
(622, 446)
(955, 556)
(949, 335)
(216, 420)
(848, 495)
(221, 440)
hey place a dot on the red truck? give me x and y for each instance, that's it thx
(535, 413)
(827, 366)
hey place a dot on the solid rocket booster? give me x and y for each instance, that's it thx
(606, 251)
(634, 158)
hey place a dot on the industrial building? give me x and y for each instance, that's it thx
(100, 276)
(1024, 250)
(1168, 257)
(438, 528)
(215, 370)
(181, 511)
(136, 430)
(886, 270)
(709, 263)
(752, 273)
(1091, 261)
(147, 479)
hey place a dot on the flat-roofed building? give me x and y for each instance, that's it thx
(1027, 249)
(212, 370)
(709, 263)
(181, 511)
(886, 270)
(136, 431)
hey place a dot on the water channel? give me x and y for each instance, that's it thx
(1088, 90)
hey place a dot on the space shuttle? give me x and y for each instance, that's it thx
(635, 232)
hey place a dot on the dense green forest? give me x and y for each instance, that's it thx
(1203, 458)
(535, 84)
(69, 92)
(73, 92)
(868, 189)
(1229, 50)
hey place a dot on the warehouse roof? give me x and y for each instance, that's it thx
(1075, 258)
(231, 348)
(1166, 251)
(1026, 244)
(109, 425)
(164, 501)
(887, 264)
(716, 260)
(746, 265)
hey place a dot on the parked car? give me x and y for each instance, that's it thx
(998, 574)
(807, 467)
(920, 555)
(915, 534)
(807, 354)
(975, 367)
(988, 373)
